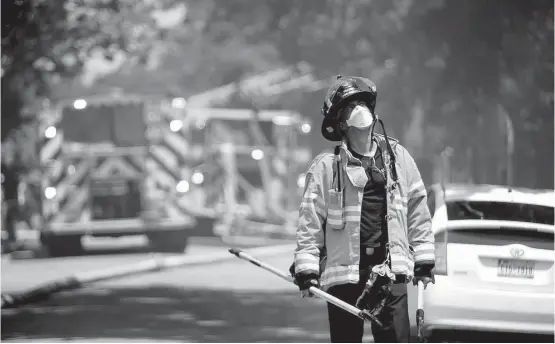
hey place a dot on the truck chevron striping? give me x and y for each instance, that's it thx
(125, 165)
(111, 165)
(71, 192)
(166, 160)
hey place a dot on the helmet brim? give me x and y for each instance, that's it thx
(330, 129)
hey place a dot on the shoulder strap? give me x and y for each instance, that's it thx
(336, 168)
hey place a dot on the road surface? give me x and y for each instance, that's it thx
(228, 301)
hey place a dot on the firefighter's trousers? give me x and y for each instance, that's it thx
(345, 327)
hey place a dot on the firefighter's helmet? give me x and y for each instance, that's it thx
(342, 91)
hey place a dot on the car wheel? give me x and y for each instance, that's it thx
(204, 227)
(62, 245)
(438, 337)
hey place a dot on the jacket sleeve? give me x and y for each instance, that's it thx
(310, 229)
(420, 234)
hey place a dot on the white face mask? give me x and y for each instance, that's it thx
(360, 117)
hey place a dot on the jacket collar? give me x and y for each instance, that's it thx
(344, 147)
(345, 157)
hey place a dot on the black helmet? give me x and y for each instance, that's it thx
(344, 90)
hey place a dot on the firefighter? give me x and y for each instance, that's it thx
(364, 229)
(10, 205)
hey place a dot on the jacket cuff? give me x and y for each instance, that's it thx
(424, 253)
(307, 263)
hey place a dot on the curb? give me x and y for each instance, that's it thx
(78, 280)
(239, 240)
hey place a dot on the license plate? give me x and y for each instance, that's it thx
(515, 268)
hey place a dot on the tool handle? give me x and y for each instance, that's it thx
(317, 292)
(420, 313)
(420, 295)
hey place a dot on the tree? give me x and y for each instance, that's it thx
(44, 42)
(495, 53)
(442, 67)
(453, 61)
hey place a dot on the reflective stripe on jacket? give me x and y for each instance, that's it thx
(329, 217)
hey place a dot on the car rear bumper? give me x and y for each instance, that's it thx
(130, 226)
(451, 305)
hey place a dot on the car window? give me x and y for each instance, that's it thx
(521, 212)
(432, 202)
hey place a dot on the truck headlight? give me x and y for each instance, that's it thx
(50, 132)
(301, 180)
(182, 186)
(197, 178)
(50, 192)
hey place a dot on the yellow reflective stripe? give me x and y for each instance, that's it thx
(400, 264)
(313, 202)
(424, 256)
(340, 274)
(424, 252)
(340, 279)
(340, 269)
(306, 266)
(302, 257)
(350, 209)
(334, 222)
(353, 211)
(334, 212)
(306, 261)
(424, 247)
(314, 198)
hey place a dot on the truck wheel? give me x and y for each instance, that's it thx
(204, 227)
(62, 245)
(168, 241)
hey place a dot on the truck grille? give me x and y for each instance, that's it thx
(113, 199)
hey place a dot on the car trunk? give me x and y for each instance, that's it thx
(500, 255)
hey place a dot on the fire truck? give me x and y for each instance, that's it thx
(126, 164)
(250, 173)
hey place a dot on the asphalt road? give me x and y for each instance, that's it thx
(227, 301)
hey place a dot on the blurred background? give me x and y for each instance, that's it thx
(187, 125)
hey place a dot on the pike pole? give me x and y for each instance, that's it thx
(317, 292)
(420, 313)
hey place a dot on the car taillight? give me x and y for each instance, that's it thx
(441, 253)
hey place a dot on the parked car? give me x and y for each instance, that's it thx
(494, 260)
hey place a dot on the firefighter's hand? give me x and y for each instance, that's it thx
(305, 281)
(308, 284)
(424, 274)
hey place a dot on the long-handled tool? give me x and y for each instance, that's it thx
(420, 313)
(317, 292)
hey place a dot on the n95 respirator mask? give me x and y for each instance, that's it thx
(360, 118)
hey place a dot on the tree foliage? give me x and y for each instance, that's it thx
(442, 68)
(446, 70)
(48, 42)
